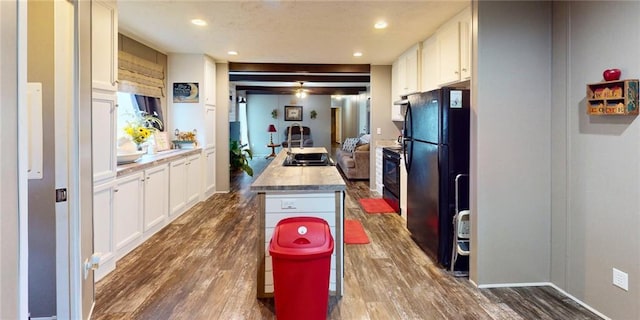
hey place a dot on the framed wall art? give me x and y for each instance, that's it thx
(292, 113)
(185, 92)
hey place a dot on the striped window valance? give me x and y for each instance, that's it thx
(140, 76)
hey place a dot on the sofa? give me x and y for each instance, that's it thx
(296, 136)
(354, 163)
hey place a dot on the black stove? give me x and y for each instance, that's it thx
(391, 176)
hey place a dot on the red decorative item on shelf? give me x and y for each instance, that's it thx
(611, 74)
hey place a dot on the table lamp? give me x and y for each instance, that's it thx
(271, 130)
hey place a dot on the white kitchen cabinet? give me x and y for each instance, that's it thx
(194, 180)
(103, 114)
(177, 187)
(185, 184)
(104, 45)
(209, 172)
(319, 205)
(129, 195)
(429, 64)
(404, 78)
(454, 49)
(210, 126)
(155, 199)
(209, 82)
(103, 226)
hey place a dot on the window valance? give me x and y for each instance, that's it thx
(140, 76)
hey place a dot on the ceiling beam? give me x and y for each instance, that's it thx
(298, 67)
(353, 90)
(299, 78)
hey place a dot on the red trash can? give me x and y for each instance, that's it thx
(301, 249)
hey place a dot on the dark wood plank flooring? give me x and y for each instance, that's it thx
(202, 266)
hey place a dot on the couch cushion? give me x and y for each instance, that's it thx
(350, 144)
(362, 147)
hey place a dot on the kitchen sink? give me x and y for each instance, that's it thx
(308, 159)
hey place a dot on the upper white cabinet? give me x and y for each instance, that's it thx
(454, 45)
(104, 45)
(210, 126)
(430, 65)
(209, 82)
(405, 74)
(103, 130)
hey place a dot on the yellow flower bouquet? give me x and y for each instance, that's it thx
(141, 129)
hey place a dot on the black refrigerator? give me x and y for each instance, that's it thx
(436, 145)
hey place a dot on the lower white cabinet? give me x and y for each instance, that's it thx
(128, 208)
(184, 184)
(103, 226)
(209, 172)
(194, 180)
(155, 198)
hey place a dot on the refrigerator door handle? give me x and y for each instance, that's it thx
(407, 142)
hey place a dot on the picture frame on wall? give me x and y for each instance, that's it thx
(292, 113)
(186, 92)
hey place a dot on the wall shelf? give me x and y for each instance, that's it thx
(618, 97)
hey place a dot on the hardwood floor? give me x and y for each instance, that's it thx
(202, 266)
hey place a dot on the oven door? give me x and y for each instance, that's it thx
(391, 179)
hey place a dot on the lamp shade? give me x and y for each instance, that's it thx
(272, 128)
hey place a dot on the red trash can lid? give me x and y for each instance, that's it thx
(301, 237)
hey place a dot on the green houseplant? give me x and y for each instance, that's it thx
(239, 158)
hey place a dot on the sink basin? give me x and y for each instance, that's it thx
(308, 159)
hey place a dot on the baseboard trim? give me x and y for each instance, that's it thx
(545, 284)
(45, 318)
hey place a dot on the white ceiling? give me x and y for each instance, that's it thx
(285, 31)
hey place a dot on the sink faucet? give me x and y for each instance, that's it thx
(289, 137)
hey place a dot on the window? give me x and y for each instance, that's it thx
(127, 111)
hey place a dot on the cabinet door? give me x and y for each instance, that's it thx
(210, 126)
(209, 82)
(104, 45)
(177, 187)
(103, 115)
(103, 228)
(194, 182)
(210, 172)
(155, 197)
(429, 64)
(448, 52)
(411, 58)
(128, 213)
(465, 44)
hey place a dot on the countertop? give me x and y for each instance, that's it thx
(277, 177)
(150, 160)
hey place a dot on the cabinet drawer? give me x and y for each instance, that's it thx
(300, 203)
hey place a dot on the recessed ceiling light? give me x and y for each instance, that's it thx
(357, 54)
(199, 22)
(232, 53)
(380, 25)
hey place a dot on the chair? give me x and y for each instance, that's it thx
(461, 232)
(296, 136)
(461, 235)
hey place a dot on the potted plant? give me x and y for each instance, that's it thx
(239, 158)
(313, 114)
(274, 113)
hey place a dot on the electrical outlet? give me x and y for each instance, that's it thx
(288, 204)
(620, 279)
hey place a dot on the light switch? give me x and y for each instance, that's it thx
(379, 130)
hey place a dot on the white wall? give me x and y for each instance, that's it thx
(223, 105)
(9, 233)
(380, 113)
(510, 143)
(259, 109)
(596, 213)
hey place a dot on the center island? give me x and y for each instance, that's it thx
(294, 191)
